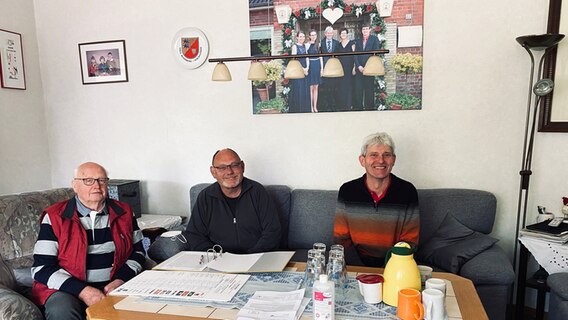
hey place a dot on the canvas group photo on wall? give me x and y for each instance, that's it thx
(336, 26)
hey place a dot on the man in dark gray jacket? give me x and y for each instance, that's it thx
(235, 212)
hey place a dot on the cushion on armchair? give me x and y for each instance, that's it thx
(453, 244)
(6, 276)
(15, 306)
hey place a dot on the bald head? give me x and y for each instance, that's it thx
(228, 169)
(80, 170)
(91, 195)
(222, 152)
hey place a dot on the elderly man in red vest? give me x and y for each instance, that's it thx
(87, 247)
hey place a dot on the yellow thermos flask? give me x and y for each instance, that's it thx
(400, 272)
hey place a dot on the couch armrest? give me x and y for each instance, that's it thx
(165, 247)
(558, 283)
(491, 266)
(14, 306)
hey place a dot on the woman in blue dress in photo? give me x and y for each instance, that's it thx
(316, 70)
(299, 96)
(347, 62)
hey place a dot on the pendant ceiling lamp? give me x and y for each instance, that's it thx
(297, 71)
(257, 71)
(221, 73)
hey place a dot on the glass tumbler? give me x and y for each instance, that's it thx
(314, 268)
(337, 247)
(336, 269)
(321, 248)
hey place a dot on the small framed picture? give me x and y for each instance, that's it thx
(12, 60)
(103, 62)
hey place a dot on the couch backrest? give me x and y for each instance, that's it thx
(306, 215)
(473, 208)
(19, 222)
(311, 218)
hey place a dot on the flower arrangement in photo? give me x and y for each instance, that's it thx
(407, 63)
(273, 72)
(377, 26)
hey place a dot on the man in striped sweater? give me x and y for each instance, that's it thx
(377, 210)
(87, 247)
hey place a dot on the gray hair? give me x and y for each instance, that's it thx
(329, 29)
(379, 138)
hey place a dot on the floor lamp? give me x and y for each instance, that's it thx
(539, 88)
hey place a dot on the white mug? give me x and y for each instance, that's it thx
(436, 283)
(425, 274)
(434, 304)
(372, 291)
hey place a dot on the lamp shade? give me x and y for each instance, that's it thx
(540, 41)
(294, 70)
(221, 73)
(257, 71)
(374, 67)
(333, 68)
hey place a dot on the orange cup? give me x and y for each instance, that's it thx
(409, 305)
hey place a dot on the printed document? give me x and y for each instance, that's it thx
(274, 305)
(183, 285)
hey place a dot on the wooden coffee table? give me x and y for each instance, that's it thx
(468, 301)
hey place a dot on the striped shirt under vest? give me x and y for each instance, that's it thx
(99, 259)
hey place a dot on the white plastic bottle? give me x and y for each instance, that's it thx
(324, 299)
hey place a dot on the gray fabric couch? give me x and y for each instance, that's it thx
(558, 305)
(454, 224)
(19, 227)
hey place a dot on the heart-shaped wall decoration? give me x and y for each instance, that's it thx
(332, 15)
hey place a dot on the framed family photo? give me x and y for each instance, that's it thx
(103, 62)
(12, 60)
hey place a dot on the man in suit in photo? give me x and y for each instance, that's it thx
(364, 91)
(328, 90)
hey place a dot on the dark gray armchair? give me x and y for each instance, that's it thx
(558, 306)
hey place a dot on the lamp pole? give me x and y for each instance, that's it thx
(540, 89)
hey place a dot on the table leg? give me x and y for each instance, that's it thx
(521, 282)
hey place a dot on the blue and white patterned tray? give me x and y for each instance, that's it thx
(349, 303)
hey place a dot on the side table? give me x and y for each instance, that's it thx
(153, 225)
(147, 221)
(534, 282)
(551, 256)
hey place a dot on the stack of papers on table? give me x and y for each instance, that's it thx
(274, 305)
(228, 262)
(542, 231)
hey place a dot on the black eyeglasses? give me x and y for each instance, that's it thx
(234, 166)
(91, 181)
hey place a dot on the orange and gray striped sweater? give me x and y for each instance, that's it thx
(366, 229)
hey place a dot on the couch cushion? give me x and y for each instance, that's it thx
(19, 221)
(281, 197)
(6, 276)
(23, 277)
(490, 267)
(473, 208)
(453, 244)
(15, 306)
(311, 218)
(558, 283)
